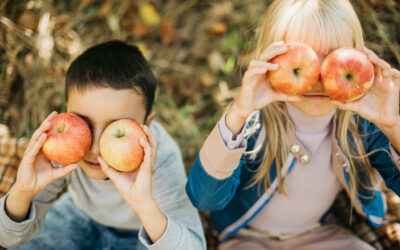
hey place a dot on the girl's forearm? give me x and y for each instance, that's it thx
(393, 134)
(17, 204)
(153, 220)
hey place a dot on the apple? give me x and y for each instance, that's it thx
(120, 145)
(347, 74)
(298, 71)
(68, 139)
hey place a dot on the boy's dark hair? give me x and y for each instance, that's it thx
(113, 64)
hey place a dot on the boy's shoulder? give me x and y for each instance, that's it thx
(166, 145)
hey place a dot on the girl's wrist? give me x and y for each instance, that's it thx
(235, 119)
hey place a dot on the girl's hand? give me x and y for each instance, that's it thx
(135, 187)
(381, 104)
(256, 91)
(35, 171)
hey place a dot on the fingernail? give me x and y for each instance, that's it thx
(386, 73)
(280, 42)
(275, 66)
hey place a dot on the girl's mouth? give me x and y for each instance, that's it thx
(316, 96)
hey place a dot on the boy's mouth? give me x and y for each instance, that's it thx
(92, 164)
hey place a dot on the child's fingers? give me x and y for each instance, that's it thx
(44, 126)
(261, 64)
(392, 72)
(256, 71)
(63, 171)
(32, 152)
(268, 54)
(147, 160)
(375, 59)
(351, 106)
(111, 173)
(152, 140)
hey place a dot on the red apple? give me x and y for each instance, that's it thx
(347, 74)
(68, 139)
(298, 70)
(120, 146)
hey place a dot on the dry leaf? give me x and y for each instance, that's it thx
(215, 61)
(217, 29)
(168, 80)
(208, 80)
(140, 29)
(149, 15)
(167, 31)
(28, 20)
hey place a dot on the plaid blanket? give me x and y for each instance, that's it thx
(385, 237)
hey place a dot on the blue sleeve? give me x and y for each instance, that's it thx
(208, 193)
(382, 160)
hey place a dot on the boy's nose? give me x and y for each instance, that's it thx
(94, 148)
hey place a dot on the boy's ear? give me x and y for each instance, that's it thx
(150, 118)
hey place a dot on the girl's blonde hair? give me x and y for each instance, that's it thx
(325, 25)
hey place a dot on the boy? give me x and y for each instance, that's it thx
(103, 208)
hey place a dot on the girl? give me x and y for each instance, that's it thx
(273, 165)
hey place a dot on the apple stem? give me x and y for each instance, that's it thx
(120, 133)
(60, 128)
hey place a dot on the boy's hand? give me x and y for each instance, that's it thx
(135, 187)
(36, 172)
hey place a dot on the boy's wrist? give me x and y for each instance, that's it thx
(144, 206)
(153, 220)
(17, 204)
(24, 194)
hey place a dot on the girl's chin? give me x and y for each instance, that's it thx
(314, 107)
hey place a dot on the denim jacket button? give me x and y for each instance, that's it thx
(295, 148)
(304, 159)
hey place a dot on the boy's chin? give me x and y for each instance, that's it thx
(96, 174)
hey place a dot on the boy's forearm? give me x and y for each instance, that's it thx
(17, 204)
(153, 220)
